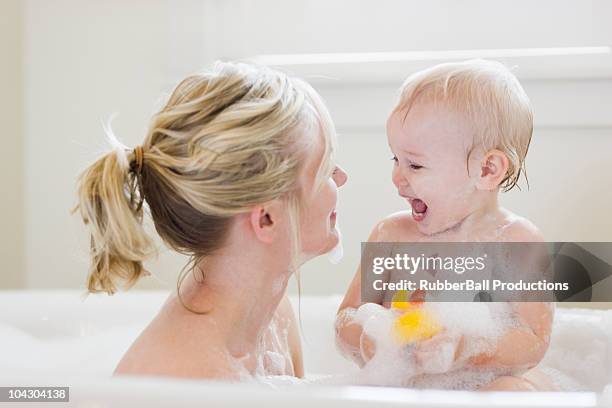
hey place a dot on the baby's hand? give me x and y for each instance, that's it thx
(367, 347)
(356, 330)
(439, 353)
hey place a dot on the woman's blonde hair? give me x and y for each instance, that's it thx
(224, 142)
(489, 96)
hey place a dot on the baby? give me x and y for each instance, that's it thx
(459, 135)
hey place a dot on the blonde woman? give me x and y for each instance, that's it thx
(237, 171)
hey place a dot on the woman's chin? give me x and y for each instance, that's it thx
(327, 245)
(330, 243)
(333, 240)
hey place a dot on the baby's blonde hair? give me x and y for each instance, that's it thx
(224, 142)
(491, 98)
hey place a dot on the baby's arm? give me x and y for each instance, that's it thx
(348, 332)
(523, 346)
(349, 337)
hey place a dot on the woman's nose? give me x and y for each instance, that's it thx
(340, 176)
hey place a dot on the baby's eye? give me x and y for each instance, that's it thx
(394, 160)
(415, 167)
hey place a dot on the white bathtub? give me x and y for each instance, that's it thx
(54, 338)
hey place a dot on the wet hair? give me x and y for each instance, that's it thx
(489, 96)
(225, 141)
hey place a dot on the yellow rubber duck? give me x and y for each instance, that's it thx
(414, 324)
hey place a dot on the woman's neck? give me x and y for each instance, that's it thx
(241, 291)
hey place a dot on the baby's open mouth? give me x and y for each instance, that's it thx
(419, 208)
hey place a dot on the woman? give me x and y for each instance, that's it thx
(237, 172)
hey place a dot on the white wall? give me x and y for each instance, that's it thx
(247, 27)
(11, 165)
(88, 59)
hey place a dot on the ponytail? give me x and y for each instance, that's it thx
(110, 203)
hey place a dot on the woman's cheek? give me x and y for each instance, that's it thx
(326, 198)
(333, 194)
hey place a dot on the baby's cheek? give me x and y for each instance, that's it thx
(455, 189)
(430, 189)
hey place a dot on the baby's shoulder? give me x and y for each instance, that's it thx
(396, 227)
(520, 229)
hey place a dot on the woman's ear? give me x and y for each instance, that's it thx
(493, 169)
(266, 220)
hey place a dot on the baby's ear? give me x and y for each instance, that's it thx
(493, 169)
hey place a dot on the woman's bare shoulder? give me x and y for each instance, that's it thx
(176, 349)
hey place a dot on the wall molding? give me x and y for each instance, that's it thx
(596, 66)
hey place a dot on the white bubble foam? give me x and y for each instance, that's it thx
(434, 366)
